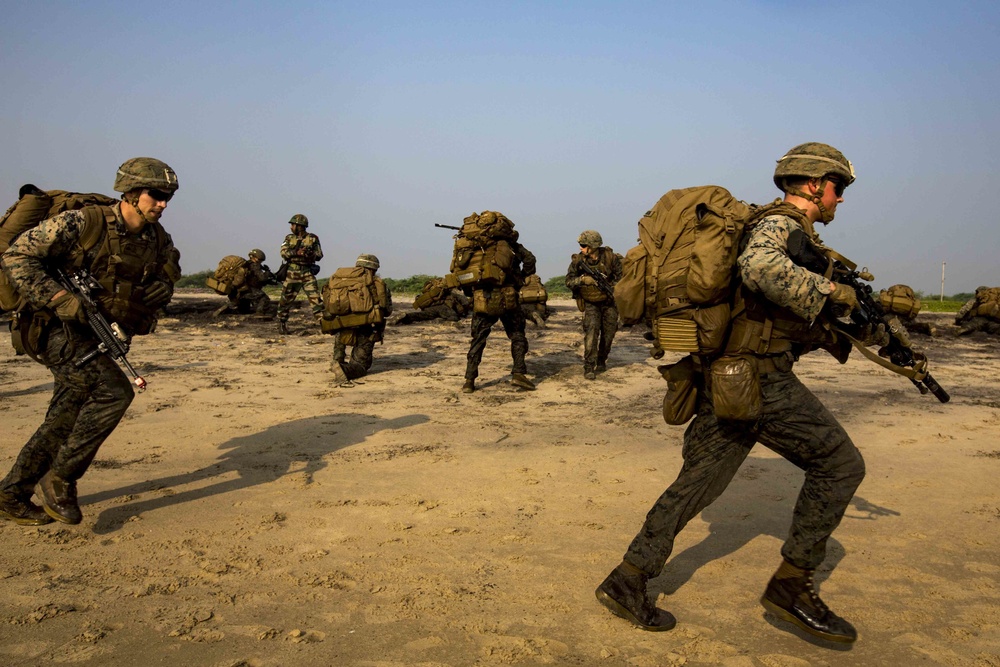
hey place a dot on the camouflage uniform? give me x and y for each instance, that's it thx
(794, 424)
(362, 339)
(87, 401)
(600, 316)
(301, 252)
(250, 297)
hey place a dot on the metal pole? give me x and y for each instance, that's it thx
(943, 264)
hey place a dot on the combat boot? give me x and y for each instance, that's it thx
(469, 387)
(589, 374)
(623, 592)
(22, 512)
(283, 327)
(602, 366)
(339, 376)
(521, 380)
(59, 498)
(791, 596)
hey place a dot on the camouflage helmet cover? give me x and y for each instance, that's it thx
(257, 254)
(813, 160)
(367, 261)
(299, 219)
(145, 172)
(590, 239)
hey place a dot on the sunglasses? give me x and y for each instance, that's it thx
(160, 195)
(838, 186)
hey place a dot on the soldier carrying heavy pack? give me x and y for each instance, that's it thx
(242, 281)
(357, 303)
(437, 301)
(134, 266)
(980, 313)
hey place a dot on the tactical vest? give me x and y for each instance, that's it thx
(605, 261)
(309, 242)
(760, 327)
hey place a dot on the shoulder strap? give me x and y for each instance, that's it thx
(96, 220)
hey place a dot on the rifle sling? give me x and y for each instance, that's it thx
(917, 373)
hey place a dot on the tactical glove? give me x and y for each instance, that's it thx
(157, 294)
(69, 308)
(587, 280)
(842, 295)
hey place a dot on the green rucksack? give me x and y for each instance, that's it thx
(35, 205)
(680, 277)
(483, 253)
(230, 274)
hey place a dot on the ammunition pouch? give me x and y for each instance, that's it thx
(680, 403)
(736, 392)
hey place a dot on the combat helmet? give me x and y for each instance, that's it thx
(590, 239)
(299, 219)
(145, 172)
(257, 254)
(813, 160)
(367, 261)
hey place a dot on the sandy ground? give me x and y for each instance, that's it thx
(246, 512)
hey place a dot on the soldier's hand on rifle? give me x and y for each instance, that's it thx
(68, 308)
(587, 280)
(844, 297)
(157, 294)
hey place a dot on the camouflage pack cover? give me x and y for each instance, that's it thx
(813, 160)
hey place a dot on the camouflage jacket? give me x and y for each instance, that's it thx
(608, 263)
(54, 243)
(258, 275)
(766, 268)
(301, 251)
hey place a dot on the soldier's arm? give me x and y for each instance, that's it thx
(388, 300)
(317, 251)
(287, 249)
(573, 273)
(616, 268)
(171, 261)
(766, 268)
(27, 258)
(528, 260)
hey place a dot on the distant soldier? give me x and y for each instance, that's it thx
(980, 313)
(595, 264)
(437, 302)
(249, 296)
(360, 338)
(128, 251)
(901, 300)
(534, 300)
(301, 251)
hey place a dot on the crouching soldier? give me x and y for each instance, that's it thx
(357, 302)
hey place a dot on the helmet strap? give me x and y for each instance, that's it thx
(825, 215)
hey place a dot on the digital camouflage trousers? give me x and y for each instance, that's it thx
(87, 404)
(795, 425)
(600, 324)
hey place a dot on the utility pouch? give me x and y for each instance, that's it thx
(736, 392)
(581, 304)
(508, 294)
(681, 400)
(487, 302)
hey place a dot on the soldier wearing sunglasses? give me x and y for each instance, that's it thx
(133, 258)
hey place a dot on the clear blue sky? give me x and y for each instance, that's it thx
(378, 119)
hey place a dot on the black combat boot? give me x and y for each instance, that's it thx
(624, 593)
(469, 386)
(59, 498)
(283, 327)
(790, 596)
(22, 512)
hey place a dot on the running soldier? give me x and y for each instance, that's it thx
(779, 306)
(134, 260)
(595, 298)
(361, 339)
(300, 251)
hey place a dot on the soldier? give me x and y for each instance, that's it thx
(902, 301)
(250, 297)
(136, 263)
(301, 251)
(781, 305)
(362, 338)
(600, 316)
(980, 313)
(534, 300)
(436, 301)
(504, 301)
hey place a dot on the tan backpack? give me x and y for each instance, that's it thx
(433, 293)
(229, 275)
(34, 206)
(533, 290)
(482, 253)
(901, 300)
(353, 297)
(680, 277)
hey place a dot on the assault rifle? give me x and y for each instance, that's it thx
(599, 279)
(447, 226)
(111, 339)
(868, 316)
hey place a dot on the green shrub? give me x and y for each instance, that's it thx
(194, 279)
(557, 285)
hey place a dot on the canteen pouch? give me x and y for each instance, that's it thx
(488, 302)
(681, 400)
(736, 392)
